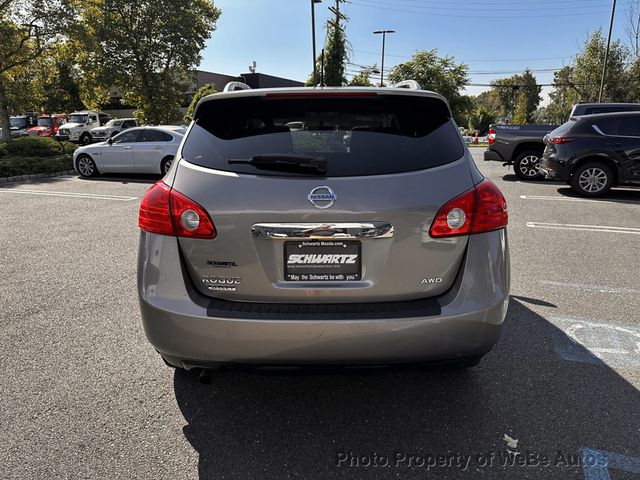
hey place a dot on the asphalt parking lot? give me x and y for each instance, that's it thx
(85, 396)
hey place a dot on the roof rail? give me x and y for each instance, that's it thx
(410, 84)
(233, 86)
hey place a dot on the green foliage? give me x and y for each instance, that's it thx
(335, 54)
(363, 78)
(35, 147)
(3, 149)
(518, 96)
(580, 81)
(202, 92)
(147, 49)
(440, 74)
(13, 166)
(480, 118)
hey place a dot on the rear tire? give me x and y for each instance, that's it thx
(86, 166)
(526, 165)
(165, 165)
(592, 179)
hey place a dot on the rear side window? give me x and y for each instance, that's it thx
(150, 135)
(371, 135)
(627, 125)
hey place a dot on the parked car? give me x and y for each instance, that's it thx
(112, 127)
(270, 245)
(20, 124)
(594, 153)
(79, 127)
(518, 145)
(136, 150)
(580, 109)
(48, 125)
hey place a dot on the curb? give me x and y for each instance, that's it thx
(35, 176)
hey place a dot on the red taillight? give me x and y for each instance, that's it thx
(560, 140)
(491, 137)
(481, 209)
(166, 211)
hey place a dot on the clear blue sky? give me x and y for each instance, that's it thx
(500, 37)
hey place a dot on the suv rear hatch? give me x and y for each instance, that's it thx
(323, 196)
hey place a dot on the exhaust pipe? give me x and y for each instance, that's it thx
(205, 377)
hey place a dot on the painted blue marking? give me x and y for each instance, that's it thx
(596, 342)
(597, 463)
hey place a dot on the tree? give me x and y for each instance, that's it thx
(518, 96)
(335, 54)
(202, 92)
(27, 29)
(480, 118)
(147, 49)
(363, 78)
(633, 27)
(440, 74)
(580, 81)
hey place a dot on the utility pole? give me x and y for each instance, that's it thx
(384, 37)
(313, 37)
(606, 53)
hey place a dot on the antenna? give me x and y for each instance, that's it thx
(252, 68)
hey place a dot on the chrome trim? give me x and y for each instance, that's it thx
(286, 231)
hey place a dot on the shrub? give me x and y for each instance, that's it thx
(3, 149)
(35, 147)
(69, 147)
(12, 166)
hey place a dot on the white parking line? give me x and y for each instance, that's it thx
(572, 199)
(49, 193)
(591, 288)
(584, 228)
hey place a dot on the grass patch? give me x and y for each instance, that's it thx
(11, 166)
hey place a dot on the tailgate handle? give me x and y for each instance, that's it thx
(278, 231)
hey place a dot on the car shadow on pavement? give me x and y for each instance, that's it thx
(124, 178)
(622, 195)
(512, 177)
(390, 425)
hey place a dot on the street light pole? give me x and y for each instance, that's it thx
(606, 53)
(313, 37)
(384, 37)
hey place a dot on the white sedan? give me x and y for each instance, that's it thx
(136, 150)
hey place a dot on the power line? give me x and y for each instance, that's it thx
(488, 17)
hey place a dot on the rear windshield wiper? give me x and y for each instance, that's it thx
(286, 163)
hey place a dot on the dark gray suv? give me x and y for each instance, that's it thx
(364, 235)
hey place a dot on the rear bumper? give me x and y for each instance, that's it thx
(492, 156)
(191, 329)
(553, 169)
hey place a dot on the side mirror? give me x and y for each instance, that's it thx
(110, 141)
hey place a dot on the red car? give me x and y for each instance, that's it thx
(45, 122)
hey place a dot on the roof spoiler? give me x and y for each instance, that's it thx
(410, 84)
(233, 86)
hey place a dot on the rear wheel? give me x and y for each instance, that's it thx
(86, 166)
(592, 179)
(526, 165)
(165, 165)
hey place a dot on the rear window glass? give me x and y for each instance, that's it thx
(355, 136)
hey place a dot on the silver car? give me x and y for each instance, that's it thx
(135, 150)
(269, 245)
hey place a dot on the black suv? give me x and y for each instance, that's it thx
(593, 153)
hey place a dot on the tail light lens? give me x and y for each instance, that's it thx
(481, 209)
(491, 137)
(166, 211)
(560, 140)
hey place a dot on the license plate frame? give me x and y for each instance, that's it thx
(313, 264)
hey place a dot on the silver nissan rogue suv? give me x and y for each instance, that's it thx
(343, 226)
